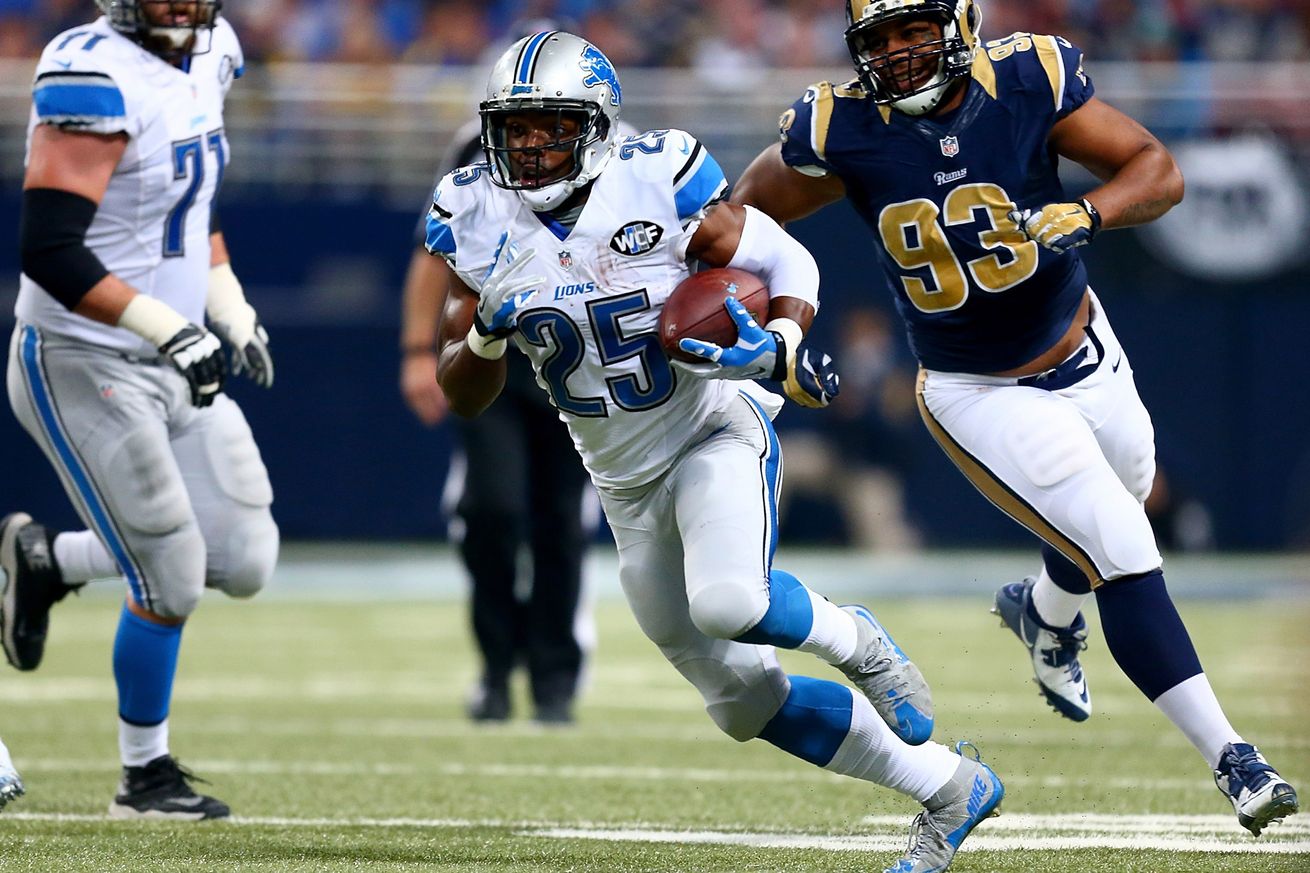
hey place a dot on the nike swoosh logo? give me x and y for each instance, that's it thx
(1115, 368)
(64, 64)
(686, 147)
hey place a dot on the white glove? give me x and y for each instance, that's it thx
(502, 297)
(235, 322)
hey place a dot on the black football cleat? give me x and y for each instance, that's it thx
(32, 585)
(162, 789)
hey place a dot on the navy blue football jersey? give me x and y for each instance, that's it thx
(977, 296)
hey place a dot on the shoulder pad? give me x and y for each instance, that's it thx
(698, 180)
(1038, 64)
(78, 85)
(227, 43)
(454, 202)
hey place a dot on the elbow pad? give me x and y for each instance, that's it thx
(768, 251)
(52, 244)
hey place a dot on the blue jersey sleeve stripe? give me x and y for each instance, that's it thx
(440, 238)
(701, 189)
(79, 101)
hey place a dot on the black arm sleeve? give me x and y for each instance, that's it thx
(52, 244)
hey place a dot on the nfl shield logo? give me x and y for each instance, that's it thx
(565, 259)
(950, 146)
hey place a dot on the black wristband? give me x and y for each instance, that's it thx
(52, 244)
(779, 373)
(1096, 216)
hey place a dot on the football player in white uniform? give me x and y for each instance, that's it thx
(568, 241)
(11, 786)
(113, 373)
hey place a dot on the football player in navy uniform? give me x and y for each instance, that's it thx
(685, 459)
(948, 149)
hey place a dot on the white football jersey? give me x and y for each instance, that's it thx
(152, 228)
(591, 332)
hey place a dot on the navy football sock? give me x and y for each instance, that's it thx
(813, 721)
(1063, 572)
(1145, 634)
(145, 660)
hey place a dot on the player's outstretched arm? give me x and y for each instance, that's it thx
(67, 176)
(1140, 179)
(427, 283)
(782, 193)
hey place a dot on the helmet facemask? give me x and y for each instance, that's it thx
(168, 41)
(896, 78)
(524, 169)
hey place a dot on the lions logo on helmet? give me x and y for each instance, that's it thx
(953, 53)
(600, 72)
(540, 74)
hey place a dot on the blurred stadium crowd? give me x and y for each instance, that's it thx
(721, 34)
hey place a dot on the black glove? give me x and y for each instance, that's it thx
(253, 359)
(198, 355)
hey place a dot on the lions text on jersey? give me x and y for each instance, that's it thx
(152, 227)
(590, 332)
(976, 294)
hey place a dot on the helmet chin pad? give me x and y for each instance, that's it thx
(923, 102)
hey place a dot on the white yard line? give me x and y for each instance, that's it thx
(1173, 833)
(978, 842)
(585, 772)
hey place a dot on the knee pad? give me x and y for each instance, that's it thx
(740, 702)
(172, 569)
(251, 558)
(726, 609)
(174, 599)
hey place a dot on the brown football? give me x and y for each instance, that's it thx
(695, 309)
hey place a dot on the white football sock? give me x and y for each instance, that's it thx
(833, 634)
(1054, 605)
(873, 753)
(1192, 706)
(139, 746)
(5, 760)
(82, 557)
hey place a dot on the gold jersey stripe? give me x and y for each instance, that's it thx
(1049, 54)
(984, 72)
(1001, 496)
(821, 119)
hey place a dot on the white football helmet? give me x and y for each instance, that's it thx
(553, 71)
(882, 74)
(129, 18)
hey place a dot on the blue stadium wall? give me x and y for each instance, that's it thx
(1221, 367)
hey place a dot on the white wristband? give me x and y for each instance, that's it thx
(791, 334)
(152, 320)
(488, 347)
(226, 304)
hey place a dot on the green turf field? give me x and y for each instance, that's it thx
(335, 731)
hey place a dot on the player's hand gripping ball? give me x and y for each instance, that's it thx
(695, 310)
